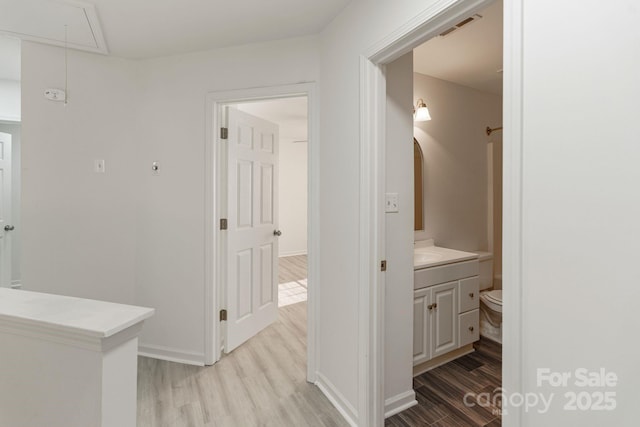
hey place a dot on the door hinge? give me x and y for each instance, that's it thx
(224, 133)
(383, 265)
(223, 223)
(223, 315)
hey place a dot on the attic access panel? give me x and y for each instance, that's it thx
(44, 22)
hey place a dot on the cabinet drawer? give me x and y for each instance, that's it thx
(469, 327)
(445, 273)
(469, 295)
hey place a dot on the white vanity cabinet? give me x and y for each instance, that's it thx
(446, 315)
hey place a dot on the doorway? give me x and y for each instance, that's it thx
(372, 186)
(10, 170)
(255, 100)
(290, 114)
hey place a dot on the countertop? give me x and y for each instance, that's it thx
(426, 254)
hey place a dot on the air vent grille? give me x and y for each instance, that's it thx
(461, 24)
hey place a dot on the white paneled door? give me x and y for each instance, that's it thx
(5, 210)
(252, 236)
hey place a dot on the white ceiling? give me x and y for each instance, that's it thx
(289, 113)
(470, 56)
(9, 58)
(148, 28)
(53, 22)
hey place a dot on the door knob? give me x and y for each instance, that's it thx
(9, 227)
(277, 233)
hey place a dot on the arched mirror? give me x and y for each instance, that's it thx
(417, 174)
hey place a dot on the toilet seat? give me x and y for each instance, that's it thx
(493, 299)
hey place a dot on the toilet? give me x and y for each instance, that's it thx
(490, 300)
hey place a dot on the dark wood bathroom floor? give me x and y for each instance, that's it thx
(441, 391)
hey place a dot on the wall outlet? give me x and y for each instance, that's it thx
(391, 202)
(99, 166)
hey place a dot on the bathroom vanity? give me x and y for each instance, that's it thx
(445, 305)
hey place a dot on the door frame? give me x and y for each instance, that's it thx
(6, 279)
(213, 236)
(429, 23)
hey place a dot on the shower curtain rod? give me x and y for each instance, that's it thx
(489, 130)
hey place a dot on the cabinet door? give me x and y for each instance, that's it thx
(444, 336)
(421, 323)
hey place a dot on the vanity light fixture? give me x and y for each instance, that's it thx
(421, 112)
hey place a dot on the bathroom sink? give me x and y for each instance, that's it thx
(424, 257)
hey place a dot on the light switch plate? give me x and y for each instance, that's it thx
(391, 202)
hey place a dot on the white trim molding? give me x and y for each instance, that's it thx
(170, 354)
(213, 289)
(513, 355)
(337, 399)
(371, 246)
(292, 253)
(400, 402)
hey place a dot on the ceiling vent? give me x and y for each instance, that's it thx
(460, 24)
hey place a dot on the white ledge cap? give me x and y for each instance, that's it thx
(70, 315)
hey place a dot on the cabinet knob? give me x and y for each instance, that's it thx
(471, 328)
(430, 306)
(471, 294)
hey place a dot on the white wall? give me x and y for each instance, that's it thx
(10, 100)
(13, 128)
(78, 230)
(579, 186)
(293, 197)
(581, 201)
(398, 356)
(125, 235)
(170, 225)
(454, 144)
(361, 25)
(581, 150)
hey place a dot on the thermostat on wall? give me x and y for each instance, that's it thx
(55, 94)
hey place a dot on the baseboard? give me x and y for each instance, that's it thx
(170, 354)
(292, 253)
(441, 360)
(337, 399)
(15, 284)
(399, 403)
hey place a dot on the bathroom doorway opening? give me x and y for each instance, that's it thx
(456, 80)
(373, 203)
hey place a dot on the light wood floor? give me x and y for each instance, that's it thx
(292, 268)
(261, 383)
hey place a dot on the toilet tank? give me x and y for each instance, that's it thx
(486, 269)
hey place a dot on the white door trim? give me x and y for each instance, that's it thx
(433, 20)
(213, 285)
